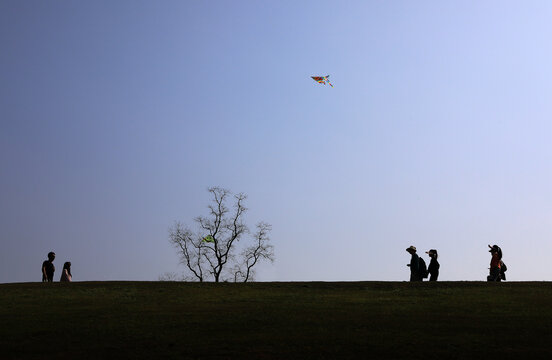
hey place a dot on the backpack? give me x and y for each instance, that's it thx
(503, 269)
(422, 268)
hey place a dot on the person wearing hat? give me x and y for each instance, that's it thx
(434, 266)
(48, 268)
(496, 257)
(414, 264)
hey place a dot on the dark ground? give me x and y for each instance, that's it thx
(334, 320)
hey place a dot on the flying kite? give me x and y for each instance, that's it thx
(322, 79)
(208, 238)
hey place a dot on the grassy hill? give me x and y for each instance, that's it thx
(154, 320)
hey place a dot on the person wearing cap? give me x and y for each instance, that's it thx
(496, 257)
(48, 268)
(414, 264)
(433, 268)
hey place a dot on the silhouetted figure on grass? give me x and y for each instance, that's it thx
(434, 266)
(496, 262)
(48, 268)
(414, 265)
(503, 269)
(66, 273)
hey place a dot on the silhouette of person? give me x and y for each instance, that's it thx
(48, 268)
(414, 264)
(66, 273)
(496, 257)
(433, 268)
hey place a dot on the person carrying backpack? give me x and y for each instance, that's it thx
(496, 261)
(414, 265)
(434, 266)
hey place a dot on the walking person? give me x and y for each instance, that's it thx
(496, 257)
(414, 264)
(66, 273)
(434, 266)
(48, 268)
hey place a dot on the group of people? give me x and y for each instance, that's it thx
(48, 270)
(418, 268)
(419, 271)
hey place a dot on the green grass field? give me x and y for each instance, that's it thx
(334, 320)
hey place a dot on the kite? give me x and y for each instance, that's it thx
(322, 79)
(208, 238)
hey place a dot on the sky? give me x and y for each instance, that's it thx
(116, 116)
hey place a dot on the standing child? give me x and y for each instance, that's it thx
(434, 266)
(48, 268)
(66, 273)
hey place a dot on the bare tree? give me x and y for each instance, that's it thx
(212, 252)
(261, 249)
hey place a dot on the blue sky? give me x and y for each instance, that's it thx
(117, 116)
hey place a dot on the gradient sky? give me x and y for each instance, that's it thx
(117, 115)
